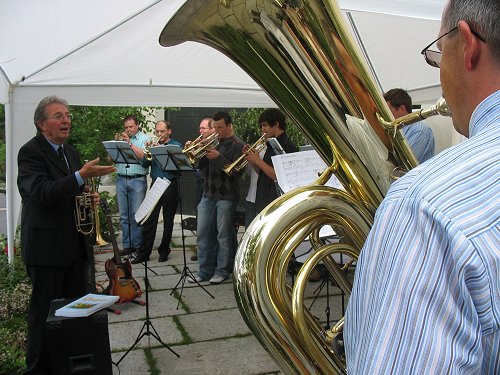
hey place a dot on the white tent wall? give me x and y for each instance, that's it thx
(92, 52)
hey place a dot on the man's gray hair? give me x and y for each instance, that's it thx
(481, 15)
(40, 113)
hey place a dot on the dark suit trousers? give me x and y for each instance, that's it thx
(167, 202)
(49, 283)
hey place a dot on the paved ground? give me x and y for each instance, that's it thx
(209, 335)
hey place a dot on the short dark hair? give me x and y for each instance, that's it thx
(273, 116)
(40, 113)
(481, 15)
(398, 97)
(167, 124)
(221, 115)
(130, 117)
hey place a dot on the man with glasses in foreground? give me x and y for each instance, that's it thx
(49, 177)
(426, 295)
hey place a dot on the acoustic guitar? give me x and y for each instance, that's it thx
(121, 282)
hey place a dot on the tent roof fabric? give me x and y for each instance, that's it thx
(115, 44)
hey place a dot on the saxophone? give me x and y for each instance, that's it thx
(302, 55)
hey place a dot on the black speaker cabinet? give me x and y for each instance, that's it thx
(78, 345)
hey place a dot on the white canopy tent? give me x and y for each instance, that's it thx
(93, 52)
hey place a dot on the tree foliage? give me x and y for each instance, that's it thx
(93, 125)
(246, 126)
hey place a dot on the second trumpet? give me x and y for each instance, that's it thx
(199, 147)
(242, 162)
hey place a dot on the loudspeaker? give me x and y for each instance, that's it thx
(78, 345)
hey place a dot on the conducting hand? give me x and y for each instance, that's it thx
(93, 169)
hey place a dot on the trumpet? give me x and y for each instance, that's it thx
(439, 108)
(242, 162)
(151, 142)
(87, 216)
(84, 210)
(193, 144)
(121, 136)
(199, 147)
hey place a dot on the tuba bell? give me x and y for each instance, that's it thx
(301, 54)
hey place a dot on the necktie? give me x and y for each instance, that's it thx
(60, 152)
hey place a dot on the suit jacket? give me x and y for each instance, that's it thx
(48, 230)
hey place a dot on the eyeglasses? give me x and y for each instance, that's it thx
(60, 116)
(433, 58)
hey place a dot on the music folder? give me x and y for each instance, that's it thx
(120, 152)
(171, 158)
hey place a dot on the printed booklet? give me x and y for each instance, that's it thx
(86, 305)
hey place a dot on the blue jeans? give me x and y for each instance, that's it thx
(215, 237)
(135, 189)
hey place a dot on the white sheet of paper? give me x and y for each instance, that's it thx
(301, 169)
(152, 197)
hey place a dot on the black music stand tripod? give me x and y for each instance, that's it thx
(121, 153)
(147, 328)
(170, 158)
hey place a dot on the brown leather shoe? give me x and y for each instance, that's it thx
(194, 257)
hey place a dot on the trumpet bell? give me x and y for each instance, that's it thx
(199, 148)
(242, 162)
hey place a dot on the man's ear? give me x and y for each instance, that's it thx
(471, 48)
(41, 126)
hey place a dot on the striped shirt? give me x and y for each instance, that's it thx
(426, 295)
(421, 140)
(139, 140)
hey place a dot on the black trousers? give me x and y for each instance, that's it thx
(49, 283)
(168, 202)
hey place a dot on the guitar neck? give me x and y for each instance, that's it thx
(117, 257)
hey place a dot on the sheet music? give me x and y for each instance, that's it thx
(301, 169)
(152, 197)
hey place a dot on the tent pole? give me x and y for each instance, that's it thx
(11, 230)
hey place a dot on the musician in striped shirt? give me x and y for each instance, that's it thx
(426, 295)
(419, 136)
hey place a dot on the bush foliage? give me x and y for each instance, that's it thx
(14, 300)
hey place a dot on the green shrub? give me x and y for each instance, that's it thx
(14, 301)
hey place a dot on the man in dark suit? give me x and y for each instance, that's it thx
(54, 252)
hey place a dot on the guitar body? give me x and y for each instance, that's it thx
(121, 282)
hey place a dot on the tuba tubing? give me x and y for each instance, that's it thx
(301, 54)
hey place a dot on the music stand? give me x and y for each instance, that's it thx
(147, 323)
(147, 328)
(171, 158)
(121, 153)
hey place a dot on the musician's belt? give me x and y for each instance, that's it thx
(132, 176)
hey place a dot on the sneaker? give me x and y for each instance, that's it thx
(197, 279)
(217, 279)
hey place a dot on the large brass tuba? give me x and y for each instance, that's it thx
(302, 55)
